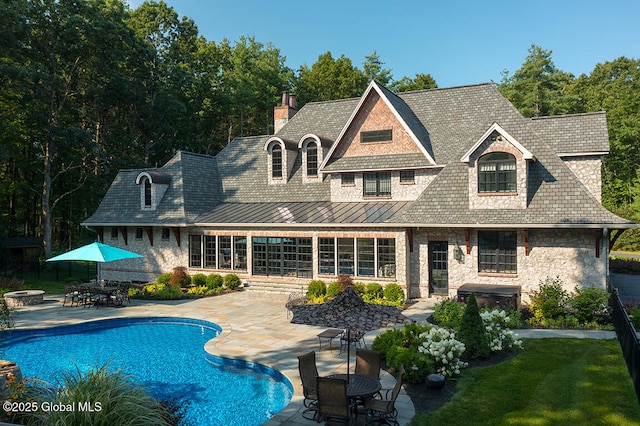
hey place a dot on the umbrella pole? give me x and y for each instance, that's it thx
(348, 352)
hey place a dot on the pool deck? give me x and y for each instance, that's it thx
(255, 327)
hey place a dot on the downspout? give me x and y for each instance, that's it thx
(605, 243)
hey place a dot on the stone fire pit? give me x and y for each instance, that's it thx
(24, 297)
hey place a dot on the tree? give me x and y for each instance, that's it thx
(328, 79)
(538, 88)
(372, 69)
(472, 332)
(419, 82)
(614, 87)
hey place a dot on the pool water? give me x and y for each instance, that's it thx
(167, 357)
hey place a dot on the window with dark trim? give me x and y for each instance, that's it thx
(497, 173)
(166, 234)
(195, 251)
(139, 233)
(114, 233)
(282, 256)
(210, 252)
(377, 184)
(366, 255)
(497, 252)
(326, 256)
(376, 136)
(347, 179)
(224, 252)
(240, 253)
(407, 176)
(147, 192)
(312, 159)
(276, 162)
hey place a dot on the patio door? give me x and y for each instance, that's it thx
(438, 267)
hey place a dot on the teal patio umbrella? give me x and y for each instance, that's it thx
(96, 252)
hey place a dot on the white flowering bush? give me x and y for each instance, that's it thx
(442, 346)
(496, 324)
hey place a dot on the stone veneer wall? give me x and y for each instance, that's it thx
(399, 191)
(589, 171)
(568, 254)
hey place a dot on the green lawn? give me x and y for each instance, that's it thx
(551, 382)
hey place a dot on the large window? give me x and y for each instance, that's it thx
(276, 162)
(377, 184)
(312, 159)
(497, 173)
(217, 252)
(282, 256)
(363, 257)
(497, 252)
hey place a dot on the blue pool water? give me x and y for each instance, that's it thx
(166, 356)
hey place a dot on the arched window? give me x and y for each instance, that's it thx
(276, 162)
(497, 173)
(147, 192)
(312, 159)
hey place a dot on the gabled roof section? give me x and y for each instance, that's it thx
(401, 112)
(495, 127)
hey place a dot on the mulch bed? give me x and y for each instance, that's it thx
(426, 399)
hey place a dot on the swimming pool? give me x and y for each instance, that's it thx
(166, 356)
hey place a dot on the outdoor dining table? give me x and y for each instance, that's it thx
(103, 290)
(359, 386)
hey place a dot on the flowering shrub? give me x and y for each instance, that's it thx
(442, 346)
(496, 323)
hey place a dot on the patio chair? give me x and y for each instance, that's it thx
(333, 402)
(71, 293)
(384, 410)
(308, 375)
(368, 363)
(352, 337)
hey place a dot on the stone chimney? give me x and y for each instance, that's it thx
(283, 113)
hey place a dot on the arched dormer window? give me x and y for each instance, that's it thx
(497, 173)
(312, 159)
(147, 192)
(276, 161)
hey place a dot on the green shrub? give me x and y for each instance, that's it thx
(393, 293)
(200, 290)
(635, 318)
(374, 291)
(416, 364)
(448, 313)
(119, 397)
(170, 292)
(333, 289)
(589, 303)
(411, 333)
(359, 288)
(214, 281)
(549, 300)
(472, 332)
(164, 279)
(199, 280)
(231, 281)
(180, 277)
(316, 288)
(388, 339)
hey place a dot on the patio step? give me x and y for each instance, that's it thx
(274, 287)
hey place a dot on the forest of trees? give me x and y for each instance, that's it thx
(90, 87)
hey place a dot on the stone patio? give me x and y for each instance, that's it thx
(254, 325)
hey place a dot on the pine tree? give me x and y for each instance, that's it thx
(472, 332)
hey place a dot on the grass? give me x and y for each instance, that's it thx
(551, 382)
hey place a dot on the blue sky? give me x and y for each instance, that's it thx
(458, 42)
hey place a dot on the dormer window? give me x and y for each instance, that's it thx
(147, 192)
(312, 159)
(377, 184)
(153, 186)
(497, 173)
(276, 162)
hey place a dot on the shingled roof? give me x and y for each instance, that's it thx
(233, 187)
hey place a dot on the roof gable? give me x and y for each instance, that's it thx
(379, 109)
(495, 127)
